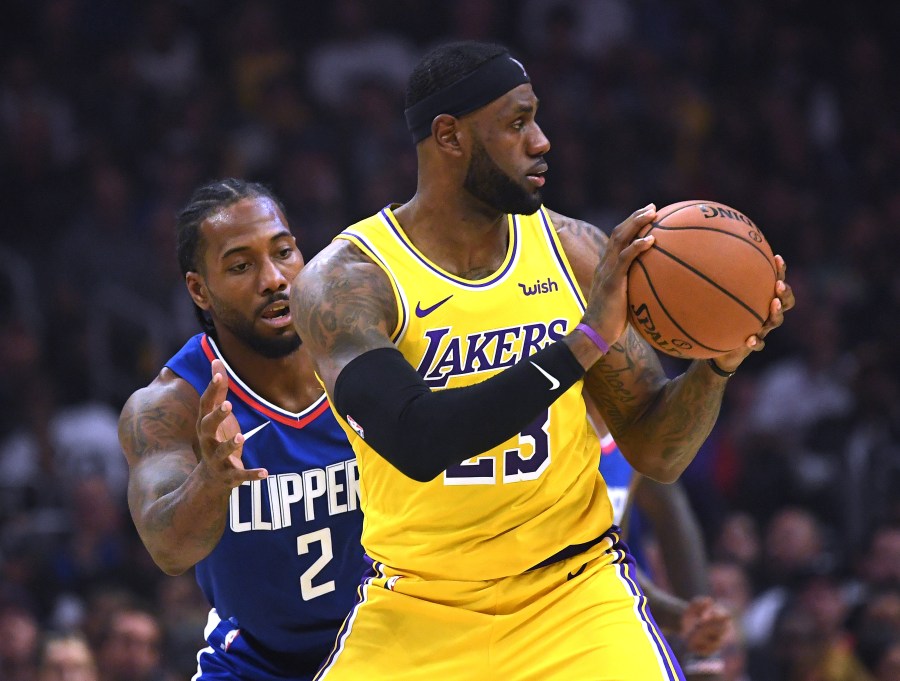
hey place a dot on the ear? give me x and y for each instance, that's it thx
(196, 286)
(446, 132)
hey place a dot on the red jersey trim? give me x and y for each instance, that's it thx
(249, 400)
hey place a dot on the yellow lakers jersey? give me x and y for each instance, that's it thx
(504, 511)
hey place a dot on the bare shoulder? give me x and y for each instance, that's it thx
(583, 244)
(160, 418)
(343, 304)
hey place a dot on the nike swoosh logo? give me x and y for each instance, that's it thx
(428, 310)
(253, 432)
(554, 384)
(573, 575)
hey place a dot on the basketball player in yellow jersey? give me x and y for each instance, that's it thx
(453, 338)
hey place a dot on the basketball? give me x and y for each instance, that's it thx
(705, 285)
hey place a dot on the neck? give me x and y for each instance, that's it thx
(288, 382)
(456, 232)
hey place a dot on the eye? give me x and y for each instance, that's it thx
(285, 252)
(239, 267)
(519, 124)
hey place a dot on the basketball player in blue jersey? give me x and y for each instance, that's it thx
(701, 624)
(454, 335)
(237, 465)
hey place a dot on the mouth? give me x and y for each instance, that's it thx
(277, 314)
(536, 176)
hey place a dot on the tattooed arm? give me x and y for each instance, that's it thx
(344, 310)
(343, 305)
(184, 458)
(658, 423)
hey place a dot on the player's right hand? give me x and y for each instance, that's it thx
(607, 308)
(220, 437)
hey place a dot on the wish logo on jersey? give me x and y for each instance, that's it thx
(448, 355)
(286, 499)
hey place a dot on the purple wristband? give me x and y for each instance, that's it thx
(595, 337)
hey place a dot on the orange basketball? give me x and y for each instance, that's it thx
(705, 285)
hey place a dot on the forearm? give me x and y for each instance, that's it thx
(423, 432)
(179, 515)
(678, 533)
(658, 424)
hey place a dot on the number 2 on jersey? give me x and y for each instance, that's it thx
(517, 465)
(308, 590)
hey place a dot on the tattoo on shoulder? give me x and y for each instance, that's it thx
(579, 231)
(149, 425)
(347, 298)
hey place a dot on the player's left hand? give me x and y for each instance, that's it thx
(781, 303)
(704, 626)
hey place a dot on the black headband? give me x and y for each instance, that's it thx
(489, 81)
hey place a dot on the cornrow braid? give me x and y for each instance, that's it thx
(206, 201)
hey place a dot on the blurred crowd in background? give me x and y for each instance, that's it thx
(112, 111)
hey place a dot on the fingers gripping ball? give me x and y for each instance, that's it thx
(705, 285)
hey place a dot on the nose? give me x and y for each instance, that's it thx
(538, 142)
(271, 277)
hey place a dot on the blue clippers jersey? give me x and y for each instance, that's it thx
(619, 476)
(289, 561)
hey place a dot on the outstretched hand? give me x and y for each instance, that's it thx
(220, 437)
(607, 308)
(781, 303)
(704, 626)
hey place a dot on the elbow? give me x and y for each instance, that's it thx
(172, 562)
(170, 565)
(664, 474)
(658, 465)
(658, 470)
(415, 468)
(667, 476)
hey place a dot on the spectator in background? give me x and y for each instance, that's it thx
(66, 657)
(731, 587)
(19, 640)
(798, 396)
(793, 549)
(804, 648)
(883, 659)
(259, 53)
(94, 550)
(880, 565)
(131, 647)
(166, 55)
(738, 540)
(183, 613)
(39, 144)
(357, 51)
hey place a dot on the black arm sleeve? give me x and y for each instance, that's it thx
(422, 433)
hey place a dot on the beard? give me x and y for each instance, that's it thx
(489, 184)
(241, 327)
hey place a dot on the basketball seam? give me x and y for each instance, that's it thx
(693, 203)
(718, 231)
(700, 274)
(666, 311)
